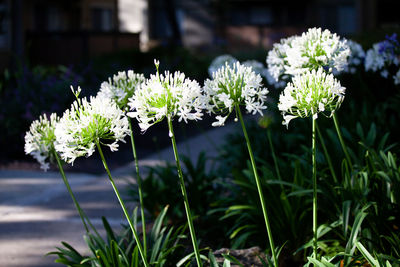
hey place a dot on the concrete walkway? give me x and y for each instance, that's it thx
(37, 213)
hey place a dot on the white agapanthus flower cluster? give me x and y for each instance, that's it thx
(312, 50)
(231, 86)
(356, 57)
(87, 122)
(220, 61)
(121, 87)
(164, 95)
(39, 140)
(309, 94)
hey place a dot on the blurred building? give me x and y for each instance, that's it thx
(63, 31)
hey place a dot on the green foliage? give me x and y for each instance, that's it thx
(373, 184)
(161, 187)
(121, 250)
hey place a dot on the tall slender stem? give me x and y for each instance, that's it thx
(327, 157)
(339, 133)
(121, 202)
(139, 182)
(80, 211)
(258, 183)
(274, 156)
(184, 194)
(314, 174)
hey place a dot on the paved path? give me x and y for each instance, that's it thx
(36, 212)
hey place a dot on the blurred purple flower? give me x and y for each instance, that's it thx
(389, 44)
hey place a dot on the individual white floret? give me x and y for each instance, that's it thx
(39, 140)
(309, 94)
(121, 87)
(231, 86)
(87, 122)
(219, 62)
(167, 94)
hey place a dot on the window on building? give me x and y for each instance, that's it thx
(260, 16)
(347, 19)
(251, 16)
(54, 19)
(102, 19)
(4, 32)
(48, 18)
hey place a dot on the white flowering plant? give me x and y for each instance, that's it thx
(121, 87)
(169, 96)
(166, 95)
(309, 94)
(39, 140)
(88, 122)
(314, 49)
(91, 123)
(310, 60)
(40, 143)
(232, 87)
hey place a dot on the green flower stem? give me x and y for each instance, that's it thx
(327, 157)
(339, 133)
(260, 193)
(85, 219)
(80, 211)
(139, 182)
(184, 194)
(123, 206)
(314, 174)
(274, 156)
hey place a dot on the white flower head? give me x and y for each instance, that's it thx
(220, 61)
(121, 87)
(39, 140)
(87, 122)
(231, 86)
(309, 94)
(314, 49)
(166, 95)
